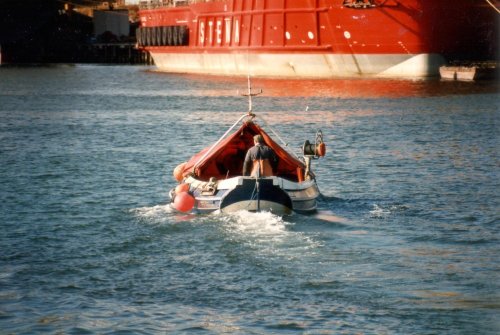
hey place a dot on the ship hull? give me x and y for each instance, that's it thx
(321, 38)
(300, 65)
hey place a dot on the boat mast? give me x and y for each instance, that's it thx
(250, 95)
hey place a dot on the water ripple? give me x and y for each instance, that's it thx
(405, 240)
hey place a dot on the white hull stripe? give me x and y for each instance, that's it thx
(301, 65)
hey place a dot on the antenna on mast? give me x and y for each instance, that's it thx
(250, 95)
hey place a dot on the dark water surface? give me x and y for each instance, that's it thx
(408, 240)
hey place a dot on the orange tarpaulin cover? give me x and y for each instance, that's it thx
(226, 159)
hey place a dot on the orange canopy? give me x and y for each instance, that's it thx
(226, 159)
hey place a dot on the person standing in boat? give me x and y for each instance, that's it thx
(260, 160)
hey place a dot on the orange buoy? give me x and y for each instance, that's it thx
(178, 171)
(183, 202)
(321, 149)
(182, 188)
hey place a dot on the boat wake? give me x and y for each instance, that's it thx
(268, 234)
(382, 211)
(330, 216)
(262, 223)
(155, 211)
(159, 214)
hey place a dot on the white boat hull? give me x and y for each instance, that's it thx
(270, 194)
(313, 65)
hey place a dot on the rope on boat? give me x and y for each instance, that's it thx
(493, 5)
(249, 114)
(277, 135)
(250, 95)
(254, 195)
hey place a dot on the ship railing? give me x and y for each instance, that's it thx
(358, 4)
(153, 4)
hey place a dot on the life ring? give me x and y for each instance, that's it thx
(164, 35)
(174, 35)
(155, 36)
(169, 36)
(182, 38)
(148, 36)
(158, 35)
(138, 36)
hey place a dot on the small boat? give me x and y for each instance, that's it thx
(212, 180)
(469, 72)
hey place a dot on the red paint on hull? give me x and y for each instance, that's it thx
(461, 29)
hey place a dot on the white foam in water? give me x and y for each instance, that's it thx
(262, 223)
(268, 234)
(155, 214)
(378, 212)
(153, 211)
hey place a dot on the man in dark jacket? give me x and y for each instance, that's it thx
(261, 160)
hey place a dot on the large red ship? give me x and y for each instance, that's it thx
(316, 38)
